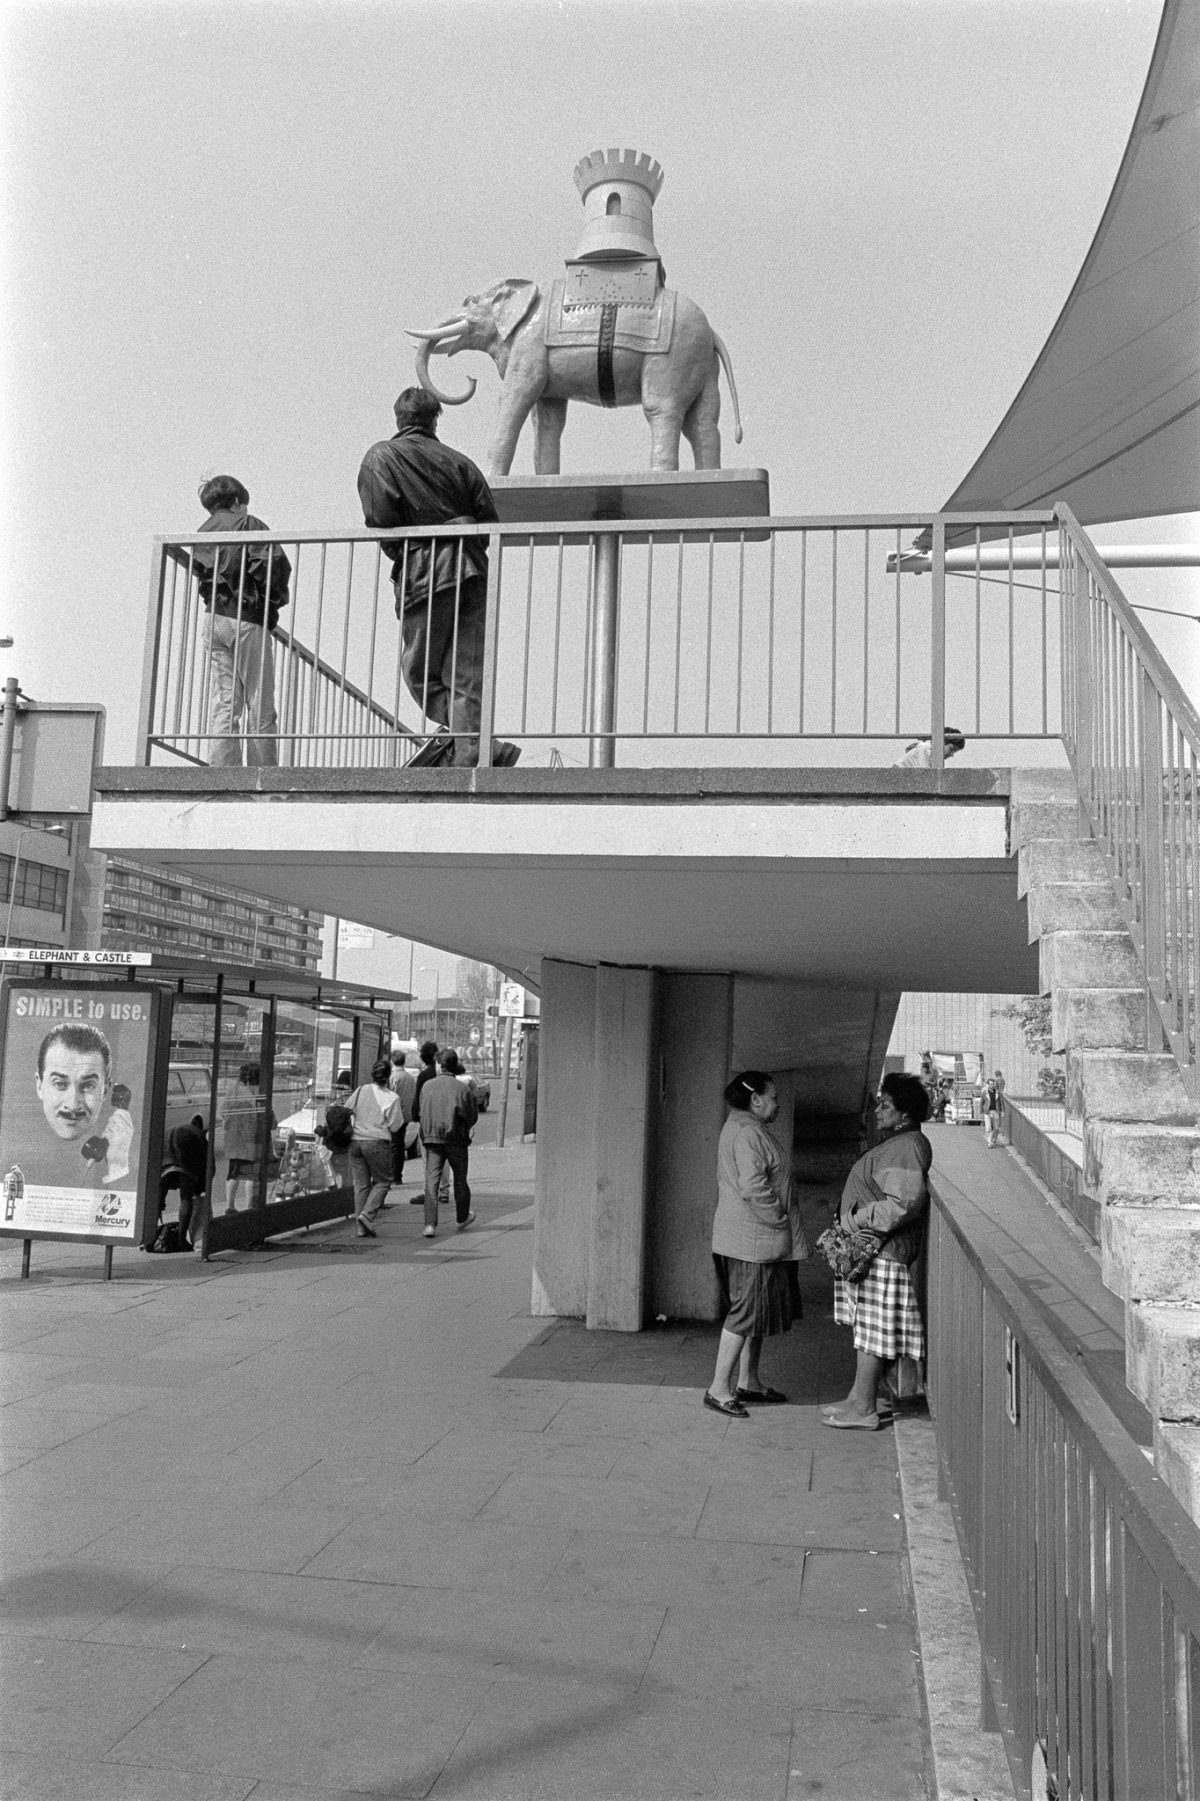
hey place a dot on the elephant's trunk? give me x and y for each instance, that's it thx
(426, 380)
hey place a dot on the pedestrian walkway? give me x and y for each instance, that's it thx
(338, 1518)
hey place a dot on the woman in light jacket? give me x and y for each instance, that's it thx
(752, 1245)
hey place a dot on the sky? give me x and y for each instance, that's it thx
(218, 219)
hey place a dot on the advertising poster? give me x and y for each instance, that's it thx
(78, 1068)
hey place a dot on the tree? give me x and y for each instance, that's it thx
(1032, 1014)
(474, 984)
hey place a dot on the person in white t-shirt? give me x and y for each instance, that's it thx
(919, 754)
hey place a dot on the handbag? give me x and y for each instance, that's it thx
(849, 1250)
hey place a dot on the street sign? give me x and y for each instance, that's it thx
(512, 1000)
(352, 937)
(86, 959)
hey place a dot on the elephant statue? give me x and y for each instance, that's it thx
(676, 386)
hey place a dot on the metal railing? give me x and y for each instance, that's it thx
(621, 634)
(1134, 742)
(1083, 1568)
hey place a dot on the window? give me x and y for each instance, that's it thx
(38, 885)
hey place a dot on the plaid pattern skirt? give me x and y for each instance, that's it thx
(883, 1310)
(757, 1299)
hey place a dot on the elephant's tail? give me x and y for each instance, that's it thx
(719, 342)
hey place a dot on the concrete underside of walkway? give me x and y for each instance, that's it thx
(339, 1518)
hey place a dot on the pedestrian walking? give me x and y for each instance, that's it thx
(376, 1113)
(448, 1115)
(993, 1107)
(403, 1084)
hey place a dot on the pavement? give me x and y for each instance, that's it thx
(339, 1518)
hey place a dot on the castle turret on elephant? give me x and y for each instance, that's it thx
(663, 357)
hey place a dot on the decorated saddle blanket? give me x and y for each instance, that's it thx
(582, 322)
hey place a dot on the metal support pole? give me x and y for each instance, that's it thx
(12, 689)
(605, 598)
(504, 1081)
(26, 1247)
(108, 1251)
(937, 650)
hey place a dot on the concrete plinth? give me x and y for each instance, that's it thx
(1098, 1019)
(1136, 1087)
(1088, 960)
(1151, 1254)
(1162, 1360)
(1058, 860)
(1072, 907)
(1141, 1165)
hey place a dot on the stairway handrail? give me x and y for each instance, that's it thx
(1149, 655)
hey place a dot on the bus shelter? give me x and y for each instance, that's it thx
(248, 1056)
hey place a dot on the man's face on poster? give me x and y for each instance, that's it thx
(72, 1088)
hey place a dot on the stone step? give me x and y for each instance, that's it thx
(1043, 784)
(1162, 1360)
(1141, 1165)
(1099, 1019)
(1152, 1254)
(1177, 1460)
(1072, 907)
(1140, 1087)
(1057, 860)
(1032, 819)
(1088, 960)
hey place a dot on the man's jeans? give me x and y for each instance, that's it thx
(437, 1156)
(241, 693)
(442, 655)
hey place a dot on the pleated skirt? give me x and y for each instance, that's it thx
(759, 1300)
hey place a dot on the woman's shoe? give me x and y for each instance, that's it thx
(732, 1409)
(364, 1230)
(760, 1397)
(853, 1422)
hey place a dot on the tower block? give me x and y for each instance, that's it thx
(618, 189)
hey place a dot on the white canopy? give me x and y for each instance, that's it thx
(1108, 419)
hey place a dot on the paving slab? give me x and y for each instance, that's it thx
(378, 1734)
(489, 1637)
(532, 1743)
(322, 1525)
(78, 1698)
(25, 1778)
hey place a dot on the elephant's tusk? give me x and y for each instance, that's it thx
(448, 329)
(426, 381)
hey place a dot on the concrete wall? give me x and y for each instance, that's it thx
(565, 1184)
(633, 1067)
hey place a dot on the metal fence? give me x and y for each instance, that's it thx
(1134, 740)
(1083, 1568)
(622, 635)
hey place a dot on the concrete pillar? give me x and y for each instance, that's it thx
(565, 1181)
(695, 1023)
(621, 1076)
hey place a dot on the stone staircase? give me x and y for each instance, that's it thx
(1141, 1129)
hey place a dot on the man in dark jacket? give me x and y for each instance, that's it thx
(448, 1115)
(441, 585)
(185, 1167)
(243, 588)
